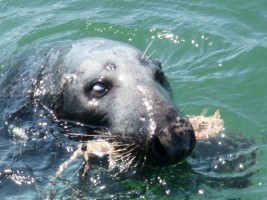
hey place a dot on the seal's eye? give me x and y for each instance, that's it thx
(99, 89)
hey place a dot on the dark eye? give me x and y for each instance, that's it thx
(98, 90)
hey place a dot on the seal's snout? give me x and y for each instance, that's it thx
(173, 148)
(172, 145)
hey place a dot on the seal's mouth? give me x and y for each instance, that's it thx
(167, 146)
(170, 143)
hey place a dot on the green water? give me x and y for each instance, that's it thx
(214, 54)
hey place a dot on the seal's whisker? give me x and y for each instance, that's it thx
(135, 160)
(135, 165)
(118, 158)
(121, 157)
(182, 108)
(143, 163)
(127, 148)
(148, 57)
(105, 56)
(204, 111)
(129, 151)
(140, 158)
(127, 154)
(125, 145)
(121, 145)
(96, 131)
(89, 135)
(130, 161)
(147, 48)
(130, 156)
(112, 136)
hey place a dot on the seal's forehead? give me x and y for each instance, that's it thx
(97, 45)
(99, 51)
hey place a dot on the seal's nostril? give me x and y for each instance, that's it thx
(158, 148)
(171, 146)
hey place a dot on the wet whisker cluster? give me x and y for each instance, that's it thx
(146, 50)
(126, 154)
(120, 155)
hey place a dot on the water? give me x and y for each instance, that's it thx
(214, 54)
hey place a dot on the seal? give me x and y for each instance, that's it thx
(108, 84)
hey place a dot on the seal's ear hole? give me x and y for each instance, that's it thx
(97, 89)
(160, 77)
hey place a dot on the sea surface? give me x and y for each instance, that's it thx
(215, 56)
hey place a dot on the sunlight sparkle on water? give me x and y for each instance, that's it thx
(200, 192)
(20, 179)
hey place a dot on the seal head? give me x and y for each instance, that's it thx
(109, 84)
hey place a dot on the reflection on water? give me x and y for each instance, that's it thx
(213, 54)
